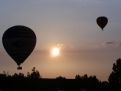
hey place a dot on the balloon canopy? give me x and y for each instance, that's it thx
(19, 41)
(102, 21)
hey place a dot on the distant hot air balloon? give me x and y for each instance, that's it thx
(19, 41)
(102, 21)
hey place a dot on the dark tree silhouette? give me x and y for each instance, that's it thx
(115, 76)
(34, 82)
(60, 78)
(35, 74)
(77, 77)
(18, 75)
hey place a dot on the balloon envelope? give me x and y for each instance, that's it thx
(19, 42)
(102, 21)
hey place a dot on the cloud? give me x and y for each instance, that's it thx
(112, 44)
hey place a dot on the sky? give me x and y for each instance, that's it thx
(70, 24)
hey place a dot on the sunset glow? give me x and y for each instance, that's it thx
(69, 41)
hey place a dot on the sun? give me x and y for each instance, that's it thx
(55, 51)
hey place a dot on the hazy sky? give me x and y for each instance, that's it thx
(86, 49)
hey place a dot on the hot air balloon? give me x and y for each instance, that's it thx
(19, 41)
(102, 21)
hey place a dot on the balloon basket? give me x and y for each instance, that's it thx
(19, 68)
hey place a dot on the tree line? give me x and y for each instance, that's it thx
(34, 82)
